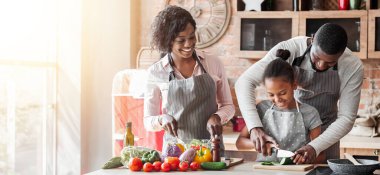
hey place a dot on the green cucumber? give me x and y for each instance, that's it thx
(267, 163)
(213, 165)
(286, 161)
(115, 162)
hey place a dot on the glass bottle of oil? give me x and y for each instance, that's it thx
(129, 138)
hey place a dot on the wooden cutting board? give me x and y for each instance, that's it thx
(233, 161)
(304, 167)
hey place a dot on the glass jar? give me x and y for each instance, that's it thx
(267, 40)
(317, 4)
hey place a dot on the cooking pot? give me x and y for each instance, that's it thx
(347, 167)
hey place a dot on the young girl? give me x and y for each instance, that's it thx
(289, 122)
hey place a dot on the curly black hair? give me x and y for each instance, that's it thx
(331, 38)
(167, 25)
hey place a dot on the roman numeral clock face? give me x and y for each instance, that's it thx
(212, 18)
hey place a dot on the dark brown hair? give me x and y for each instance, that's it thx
(167, 25)
(279, 67)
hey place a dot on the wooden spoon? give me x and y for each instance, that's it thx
(352, 159)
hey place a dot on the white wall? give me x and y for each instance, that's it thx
(107, 49)
(68, 87)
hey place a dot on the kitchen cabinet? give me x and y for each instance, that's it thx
(360, 146)
(353, 21)
(374, 34)
(259, 32)
(361, 26)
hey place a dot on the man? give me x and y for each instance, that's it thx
(327, 72)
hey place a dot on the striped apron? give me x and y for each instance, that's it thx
(191, 102)
(320, 90)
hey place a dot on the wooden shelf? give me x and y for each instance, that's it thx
(374, 34)
(303, 20)
(360, 146)
(271, 20)
(346, 19)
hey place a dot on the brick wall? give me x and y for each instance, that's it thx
(226, 48)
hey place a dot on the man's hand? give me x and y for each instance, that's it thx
(258, 136)
(169, 124)
(305, 154)
(214, 125)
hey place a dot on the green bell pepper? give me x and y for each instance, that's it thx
(151, 156)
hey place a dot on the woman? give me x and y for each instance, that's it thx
(187, 92)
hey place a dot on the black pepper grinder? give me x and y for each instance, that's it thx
(216, 149)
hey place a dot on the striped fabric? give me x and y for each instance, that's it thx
(191, 102)
(319, 90)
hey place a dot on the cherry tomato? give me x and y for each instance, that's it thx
(195, 147)
(183, 166)
(148, 167)
(173, 161)
(157, 165)
(194, 166)
(135, 164)
(165, 167)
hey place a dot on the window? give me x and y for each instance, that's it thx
(27, 86)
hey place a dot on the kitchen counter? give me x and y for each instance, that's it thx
(244, 168)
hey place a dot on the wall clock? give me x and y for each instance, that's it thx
(212, 18)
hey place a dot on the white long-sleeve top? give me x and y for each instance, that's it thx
(155, 96)
(350, 70)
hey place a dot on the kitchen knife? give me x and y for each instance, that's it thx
(284, 153)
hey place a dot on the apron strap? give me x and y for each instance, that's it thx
(171, 62)
(271, 107)
(298, 108)
(298, 60)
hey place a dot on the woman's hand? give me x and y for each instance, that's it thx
(305, 154)
(169, 124)
(214, 125)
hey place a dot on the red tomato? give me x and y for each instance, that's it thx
(194, 166)
(183, 166)
(195, 147)
(157, 165)
(148, 167)
(173, 161)
(135, 164)
(165, 167)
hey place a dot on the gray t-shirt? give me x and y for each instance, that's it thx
(310, 115)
